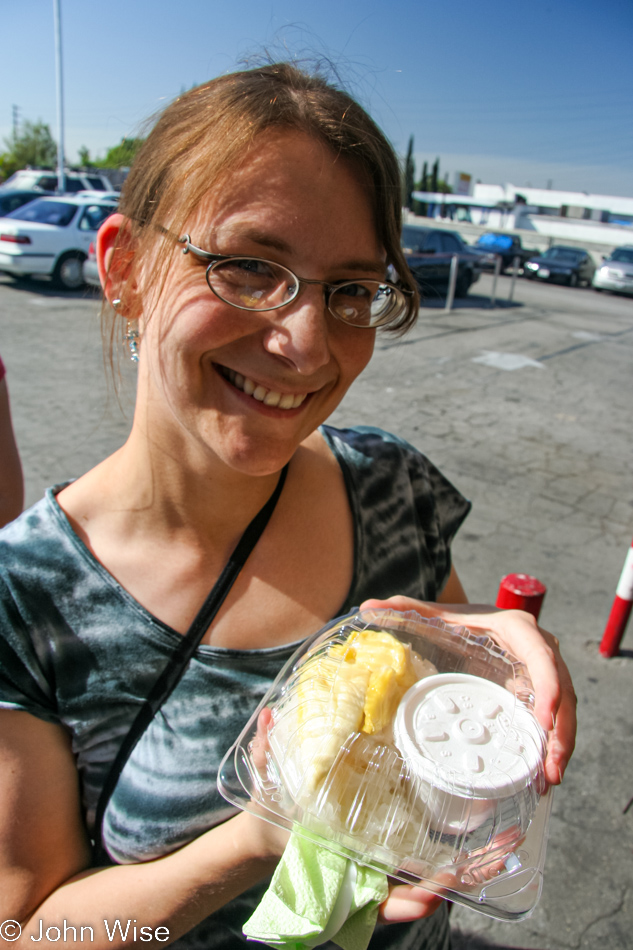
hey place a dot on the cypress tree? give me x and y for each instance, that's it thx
(409, 175)
(435, 174)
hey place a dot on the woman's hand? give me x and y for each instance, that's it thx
(272, 837)
(519, 634)
(407, 902)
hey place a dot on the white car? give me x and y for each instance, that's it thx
(46, 180)
(616, 273)
(52, 236)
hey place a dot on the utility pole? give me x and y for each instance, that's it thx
(16, 121)
(61, 174)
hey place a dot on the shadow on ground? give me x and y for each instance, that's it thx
(45, 288)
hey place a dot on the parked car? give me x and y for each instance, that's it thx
(51, 236)
(46, 180)
(10, 200)
(616, 273)
(567, 265)
(429, 251)
(505, 246)
(90, 268)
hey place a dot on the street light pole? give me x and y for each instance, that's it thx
(61, 174)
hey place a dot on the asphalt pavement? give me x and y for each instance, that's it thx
(527, 408)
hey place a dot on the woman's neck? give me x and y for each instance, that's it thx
(144, 489)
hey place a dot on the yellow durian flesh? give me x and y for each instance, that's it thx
(330, 696)
(381, 700)
(391, 674)
(344, 694)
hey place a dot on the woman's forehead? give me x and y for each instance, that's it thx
(287, 183)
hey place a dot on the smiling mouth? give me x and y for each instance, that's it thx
(268, 396)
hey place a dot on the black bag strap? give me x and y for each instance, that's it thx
(179, 659)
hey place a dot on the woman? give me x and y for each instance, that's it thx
(243, 184)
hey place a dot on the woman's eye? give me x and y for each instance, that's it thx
(254, 266)
(354, 290)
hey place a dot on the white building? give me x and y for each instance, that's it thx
(600, 221)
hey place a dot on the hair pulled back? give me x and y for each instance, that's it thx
(205, 132)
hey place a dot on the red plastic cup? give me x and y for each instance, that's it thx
(521, 592)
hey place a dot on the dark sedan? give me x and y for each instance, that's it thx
(566, 265)
(429, 252)
(10, 200)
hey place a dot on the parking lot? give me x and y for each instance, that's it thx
(527, 408)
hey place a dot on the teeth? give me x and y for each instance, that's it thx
(268, 396)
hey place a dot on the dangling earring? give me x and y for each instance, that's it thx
(132, 338)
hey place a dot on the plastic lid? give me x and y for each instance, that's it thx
(465, 733)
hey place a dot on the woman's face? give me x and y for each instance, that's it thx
(248, 387)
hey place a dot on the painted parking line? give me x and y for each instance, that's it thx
(506, 361)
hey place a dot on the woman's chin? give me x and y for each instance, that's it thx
(257, 457)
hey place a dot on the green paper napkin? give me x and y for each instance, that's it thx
(316, 895)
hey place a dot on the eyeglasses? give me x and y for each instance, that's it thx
(251, 283)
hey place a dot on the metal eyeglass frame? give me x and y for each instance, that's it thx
(329, 288)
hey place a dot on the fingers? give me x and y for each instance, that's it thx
(406, 902)
(563, 735)
(259, 744)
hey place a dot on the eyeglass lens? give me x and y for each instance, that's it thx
(253, 284)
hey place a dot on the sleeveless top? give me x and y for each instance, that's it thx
(78, 650)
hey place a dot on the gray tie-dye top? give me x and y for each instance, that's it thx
(77, 649)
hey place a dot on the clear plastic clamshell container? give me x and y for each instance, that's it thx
(410, 746)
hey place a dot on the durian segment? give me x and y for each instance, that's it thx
(331, 694)
(381, 700)
(333, 737)
(353, 687)
(391, 674)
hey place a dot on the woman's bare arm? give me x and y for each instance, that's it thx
(11, 480)
(44, 854)
(453, 592)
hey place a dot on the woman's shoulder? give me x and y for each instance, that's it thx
(367, 441)
(369, 452)
(34, 535)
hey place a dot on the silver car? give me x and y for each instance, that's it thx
(616, 273)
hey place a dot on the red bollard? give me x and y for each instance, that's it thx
(521, 592)
(620, 611)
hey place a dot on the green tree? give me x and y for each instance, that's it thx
(34, 145)
(424, 181)
(121, 155)
(409, 176)
(420, 207)
(84, 158)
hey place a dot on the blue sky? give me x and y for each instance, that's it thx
(521, 93)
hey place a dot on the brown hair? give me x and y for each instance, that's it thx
(206, 131)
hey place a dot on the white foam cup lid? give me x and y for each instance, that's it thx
(467, 735)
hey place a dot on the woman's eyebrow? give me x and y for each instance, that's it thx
(264, 239)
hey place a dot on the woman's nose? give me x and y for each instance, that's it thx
(299, 332)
